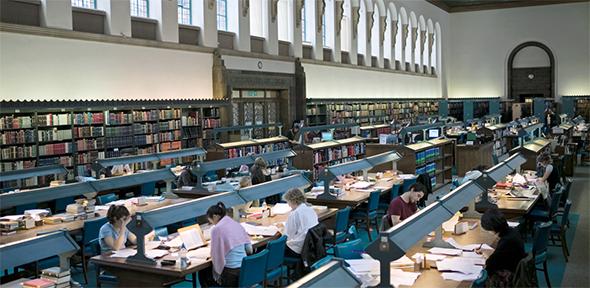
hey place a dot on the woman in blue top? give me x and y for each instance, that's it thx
(114, 235)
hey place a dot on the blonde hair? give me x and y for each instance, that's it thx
(260, 162)
(245, 181)
(294, 195)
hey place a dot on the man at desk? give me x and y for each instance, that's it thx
(405, 205)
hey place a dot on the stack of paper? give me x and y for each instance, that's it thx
(449, 225)
(364, 266)
(468, 247)
(156, 253)
(361, 185)
(201, 253)
(400, 277)
(458, 265)
(453, 276)
(404, 262)
(174, 243)
(124, 253)
(430, 257)
(260, 230)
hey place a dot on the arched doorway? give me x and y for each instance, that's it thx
(531, 72)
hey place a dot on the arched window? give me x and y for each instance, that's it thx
(88, 4)
(185, 15)
(140, 8)
(222, 15)
(285, 20)
(257, 16)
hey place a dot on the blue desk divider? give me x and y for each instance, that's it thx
(331, 172)
(333, 274)
(393, 243)
(164, 174)
(32, 172)
(40, 247)
(39, 195)
(324, 127)
(383, 158)
(151, 157)
(274, 187)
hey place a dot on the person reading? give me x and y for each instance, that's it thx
(405, 205)
(113, 235)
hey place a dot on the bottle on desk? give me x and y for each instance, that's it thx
(264, 208)
(182, 261)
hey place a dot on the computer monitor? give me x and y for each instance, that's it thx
(433, 133)
(327, 136)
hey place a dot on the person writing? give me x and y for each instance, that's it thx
(405, 205)
(301, 218)
(114, 235)
(229, 245)
(501, 264)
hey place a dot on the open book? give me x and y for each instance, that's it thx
(192, 236)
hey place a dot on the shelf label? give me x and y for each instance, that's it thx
(16, 110)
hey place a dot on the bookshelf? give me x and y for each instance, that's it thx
(481, 108)
(497, 134)
(145, 134)
(211, 120)
(246, 147)
(54, 142)
(169, 132)
(89, 137)
(372, 131)
(582, 108)
(435, 157)
(364, 112)
(531, 150)
(119, 136)
(456, 110)
(18, 144)
(315, 157)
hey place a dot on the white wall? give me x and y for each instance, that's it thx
(323, 81)
(531, 56)
(481, 42)
(50, 68)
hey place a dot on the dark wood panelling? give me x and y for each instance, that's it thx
(143, 28)
(256, 44)
(328, 55)
(87, 20)
(539, 85)
(307, 52)
(284, 47)
(225, 39)
(188, 34)
(21, 12)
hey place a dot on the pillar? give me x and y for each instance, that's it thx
(205, 16)
(296, 46)
(318, 24)
(393, 31)
(271, 44)
(118, 19)
(404, 44)
(166, 12)
(56, 14)
(338, 15)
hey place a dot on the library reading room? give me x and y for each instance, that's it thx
(294, 143)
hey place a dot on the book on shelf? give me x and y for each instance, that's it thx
(53, 119)
(118, 118)
(17, 137)
(151, 115)
(90, 131)
(88, 118)
(54, 135)
(55, 149)
(16, 122)
(170, 114)
(14, 152)
(119, 131)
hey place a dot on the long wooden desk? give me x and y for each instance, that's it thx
(353, 198)
(79, 224)
(137, 275)
(512, 208)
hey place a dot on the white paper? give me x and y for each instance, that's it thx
(191, 239)
(124, 253)
(445, 251)
(400, 277)
(260, 230)
(430, 257)
(201, 253)
(468, 247)
(150, 245)
(402, 262)
(156, 253)
(406, 176)
(513, 224)
(176, 242)
(469, 254)
(364, 266)
(361, 185)
(458, 265)
(281, 208)
(12, 217)
(453, 276)
(449, 225)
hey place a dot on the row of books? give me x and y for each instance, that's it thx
(211, 123)
(123, 141)
(170, 125)
(50, 278)
(89, 157)
(170, 136)
(89, 144)
(255, 149)
(17, 165)
(336, 153)
(18, 152)
(55, 149)
(145, 139)
(315, 110)
(90, 131)
(62, 160)
(54, 135)
(151, 115)
(17, 137)
(170, 114)
(429, 168)
(119, 131)
(15, 122)
(53, 119)
(191, 120)
(145, 128)
(191, 132)
(389, 105)
(427, 155)
(88, 118)
(117, 118)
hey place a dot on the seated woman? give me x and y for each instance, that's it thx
(186, 178)
(229, 245)
(501, 264)
(301, 218)
(114, 235)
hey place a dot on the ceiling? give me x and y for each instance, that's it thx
(475, 5)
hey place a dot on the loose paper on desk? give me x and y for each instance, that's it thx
(458, 265)
(149, 245)
(200, 253)
(156, 253)
(430, 257)
(361, 185)
(513, 224)
(449, 225)
(402, 262)
(445, 251)
(260, 230)
(468, 247)
(191, 239)
(281, 208)
(176, 242)
(406, 176)
(124, 253)
(400, 277)
(364, 266)
(454, 276)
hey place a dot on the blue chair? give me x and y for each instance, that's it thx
(274, 262)
(148, 189)
(253, 270)
(480, 282)
(352, 233)
(62, 203)
(369, 215)
(349, 250)
(540, 241)
(406, 185)
(540, 215)
(385, 201)
(22, 208)
(90, 246)
(340, 227)
(107, 198)
(558, 230)
(321, 262)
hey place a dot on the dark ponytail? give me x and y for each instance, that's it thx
(217, 209)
